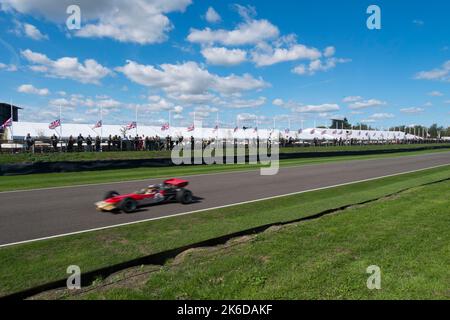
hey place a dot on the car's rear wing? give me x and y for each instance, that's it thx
(177, 182)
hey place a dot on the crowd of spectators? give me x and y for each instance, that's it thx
(81, 143)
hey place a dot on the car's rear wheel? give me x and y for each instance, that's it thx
(110, 194)
(184, 196)
(128, 205)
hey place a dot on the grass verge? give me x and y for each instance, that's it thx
(28, 265)
(35, 181)
(324, 258)
(8, 158)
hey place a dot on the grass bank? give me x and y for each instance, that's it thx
(324, 258)
(8, 158)
(28, 265)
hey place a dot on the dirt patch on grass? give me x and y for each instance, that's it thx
(275, 228)
(205, 250)
(129, 278)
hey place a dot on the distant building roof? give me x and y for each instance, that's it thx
(7, 105)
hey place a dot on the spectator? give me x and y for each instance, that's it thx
(29, 142)
(141, 143)
(54, 141)
(97, 144)
(136, 143)
(89, 143)
(70, 144)
(147, 143)
(80, 140)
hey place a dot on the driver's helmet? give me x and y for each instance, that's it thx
(151, 188)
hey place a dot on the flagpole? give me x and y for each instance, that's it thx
(60, 127)
(217, 125)
(135, 119)
(101, 128)
(12, 124)
(170, 124)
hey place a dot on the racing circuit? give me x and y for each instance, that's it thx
(43, 213)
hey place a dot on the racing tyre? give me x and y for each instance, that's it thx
(184, 196)
(128, 205)
(110, 194)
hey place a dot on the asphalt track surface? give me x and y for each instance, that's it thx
(35, 214)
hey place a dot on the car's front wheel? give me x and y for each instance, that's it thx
(128, 205)
(184, 196)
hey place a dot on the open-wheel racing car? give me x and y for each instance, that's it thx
(169, 190)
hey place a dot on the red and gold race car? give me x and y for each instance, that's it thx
(168, 191)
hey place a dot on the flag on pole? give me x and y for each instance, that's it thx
(191, 128)
(131, 125)
(98, 124)
(165, 127)
(55, 124)
(7, 123)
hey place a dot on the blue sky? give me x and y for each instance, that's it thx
(247, 60)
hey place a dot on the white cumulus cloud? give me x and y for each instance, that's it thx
(223, 56)
(30, 89)
(67, 67)
(143, 21)
(271, 56)
(319, 108)
(189, 78)
(435, 94)
(362, 104)
(412, 110)
(442, 73)
(246, 33)
(212, 16)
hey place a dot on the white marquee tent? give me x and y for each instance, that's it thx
(21, 129)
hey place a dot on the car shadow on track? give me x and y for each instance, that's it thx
(144, 208)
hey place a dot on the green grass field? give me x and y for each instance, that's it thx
(319, 259)
(34, 181)
(7, 158)
(28, 265)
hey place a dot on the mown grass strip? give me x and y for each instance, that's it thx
(8, 158)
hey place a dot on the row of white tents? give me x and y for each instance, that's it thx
(42, 130)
